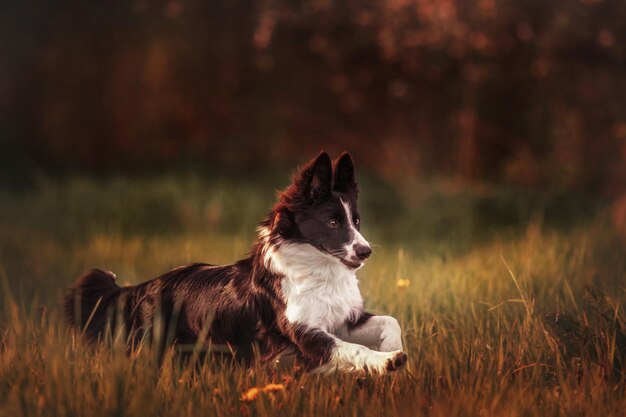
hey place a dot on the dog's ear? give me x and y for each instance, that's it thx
(311, 183)
(315, 179)
(343, 175)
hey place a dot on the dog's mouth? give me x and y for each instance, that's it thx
(349, 264)
(338, 254)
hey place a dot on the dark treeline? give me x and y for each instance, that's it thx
(530, 92)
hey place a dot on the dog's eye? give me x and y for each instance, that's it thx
(332, 223)
(357, 221)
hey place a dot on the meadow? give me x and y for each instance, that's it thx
(509, 300)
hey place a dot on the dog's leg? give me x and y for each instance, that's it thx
(380, 333)
(352, 357)
(328, 353)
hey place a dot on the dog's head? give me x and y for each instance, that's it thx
(319, 208)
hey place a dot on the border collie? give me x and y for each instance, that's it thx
(296, 293)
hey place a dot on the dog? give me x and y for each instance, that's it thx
(297, 291)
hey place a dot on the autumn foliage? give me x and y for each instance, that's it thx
(528, 92)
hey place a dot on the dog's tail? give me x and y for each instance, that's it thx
(90, 303)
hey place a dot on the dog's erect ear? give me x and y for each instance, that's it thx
(313, 182)
(316, 178)
(343, 175)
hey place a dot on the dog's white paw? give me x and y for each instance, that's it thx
(348, 358)
(385, 362)
(397, 361)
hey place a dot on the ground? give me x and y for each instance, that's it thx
(487, 283)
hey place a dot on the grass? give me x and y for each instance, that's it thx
(495, 317)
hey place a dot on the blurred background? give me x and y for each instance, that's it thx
(468, 120)
(530, 93)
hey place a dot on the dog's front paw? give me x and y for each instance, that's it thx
(397, 361)
(385, 362)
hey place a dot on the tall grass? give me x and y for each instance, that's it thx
(482, 314)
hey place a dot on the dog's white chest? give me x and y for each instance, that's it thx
(322, 303)
(318, 290)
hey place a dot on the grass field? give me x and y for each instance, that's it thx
(482, 273)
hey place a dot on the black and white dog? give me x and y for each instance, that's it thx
(296, 292)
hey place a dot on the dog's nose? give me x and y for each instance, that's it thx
(362, 252)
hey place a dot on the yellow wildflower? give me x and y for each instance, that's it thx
(403, 283)
(251, 395)
(254, 392)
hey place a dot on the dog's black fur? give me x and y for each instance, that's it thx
(238, 305)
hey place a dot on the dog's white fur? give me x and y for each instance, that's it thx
(357, 236)
(322, 293)
(352, 357)
(380, 333)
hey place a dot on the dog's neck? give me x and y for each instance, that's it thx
(318, 290)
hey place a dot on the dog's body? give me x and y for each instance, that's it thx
(297, 292)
